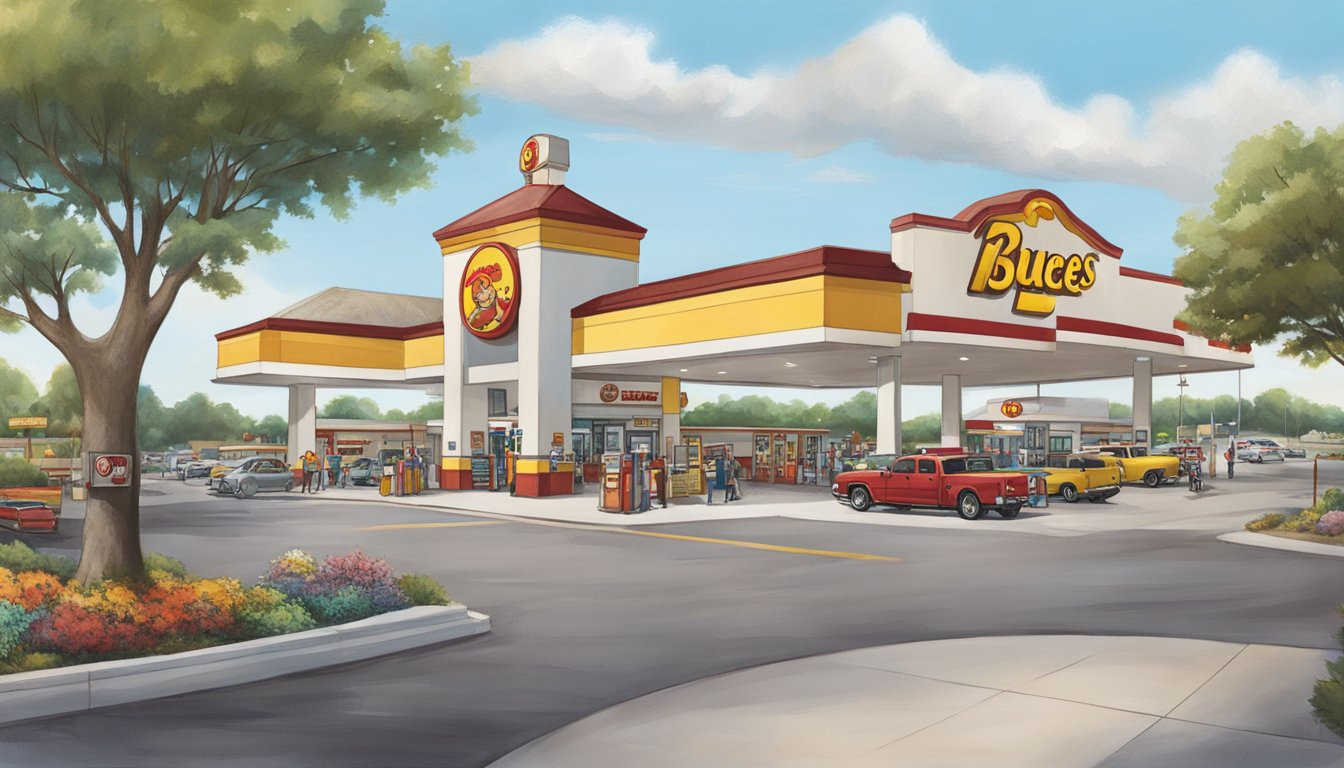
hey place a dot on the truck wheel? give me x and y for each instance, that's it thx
(968, 506)
(860, 499)
(1008, 513)
(1152, 478)
(1069, 493)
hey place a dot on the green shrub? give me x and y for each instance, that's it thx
(17, 556)
(17, 472)
(1266, 522)
(279, 619)
(14, 621)
(1332, 499)
(1303, 522)
(423, 590)
(1327, 698)
(170, 565)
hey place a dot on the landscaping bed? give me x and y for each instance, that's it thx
(1322, 523)
(48, 620)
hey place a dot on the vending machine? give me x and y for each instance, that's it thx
(609, 498)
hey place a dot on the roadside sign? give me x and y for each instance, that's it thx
(109, 470)
(28, 422)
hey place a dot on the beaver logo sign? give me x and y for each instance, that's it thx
(1011, 408)
(489, 291)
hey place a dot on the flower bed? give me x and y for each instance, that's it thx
(48, 620)
(1323, 523)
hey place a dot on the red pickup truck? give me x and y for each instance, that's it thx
(966, 483)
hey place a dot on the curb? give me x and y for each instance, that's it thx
(28, 695)
(1275, 542)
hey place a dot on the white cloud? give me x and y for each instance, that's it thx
(895, 85)
(834, 174)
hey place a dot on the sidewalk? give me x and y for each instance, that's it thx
(1063, 701)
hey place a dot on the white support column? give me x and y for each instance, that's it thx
(1142, 401)
(545, 337)
(302, 420)
(951, 411)
(889, 405)
(671, 424)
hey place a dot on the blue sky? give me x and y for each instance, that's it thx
(742, 130)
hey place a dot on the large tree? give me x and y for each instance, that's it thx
(163, 139)
(1267, 261)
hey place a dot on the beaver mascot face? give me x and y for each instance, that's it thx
(483, 293)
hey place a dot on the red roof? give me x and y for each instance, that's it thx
(825, 260)
(975, 214)
(552, 201)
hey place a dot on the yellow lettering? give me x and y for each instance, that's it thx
(1029, 303)
(1089, 271)
(1054, 272)
(993, 268)
(1073, 274)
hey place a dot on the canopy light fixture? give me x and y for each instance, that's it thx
(1143, 359)
(963, 359)
(683, 370)
(723, 373)
(790, 365)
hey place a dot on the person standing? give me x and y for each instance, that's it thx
(713, 471)
(730, 467)
(309, 472)
(1231, 457)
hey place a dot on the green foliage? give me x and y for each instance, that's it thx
(349, 407)
(14, 621)
(423, 590)
(61, 403)
(1302, 522)
(278, 619)
(170, 565)
(17, 395)
(271, 426)
(427, 412)
(1266, 522)
(16, 472)
(1332, 499)
(1267, 261)
(17, 556)
(1327, 699)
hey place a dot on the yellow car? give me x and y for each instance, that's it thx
(1138, 466)
(1084, 475)
(221, 469)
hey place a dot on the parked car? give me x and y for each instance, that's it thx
(1256, 454)
(28, 516)
(258, 474)
(196, 469)
(1266, 444)
(1083, 476)
(967, 483)
(223, 468)
(364, 471)
(1294, 453)
(1137, 465)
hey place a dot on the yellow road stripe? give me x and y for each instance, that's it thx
(653, 534)
(406, 526)
(758, 545)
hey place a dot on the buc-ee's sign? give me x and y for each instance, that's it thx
(1005, 262)
(488, 293)
(610, 393)
(1011, 408)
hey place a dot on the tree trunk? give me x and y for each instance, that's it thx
(109, 381)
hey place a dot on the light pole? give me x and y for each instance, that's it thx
(1180, 408)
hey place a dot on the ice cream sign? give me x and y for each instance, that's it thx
(488, 297)
(109, 470)
(1008, 262)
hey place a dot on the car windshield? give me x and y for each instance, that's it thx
(968, 464)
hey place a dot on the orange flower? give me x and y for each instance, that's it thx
(37, 588)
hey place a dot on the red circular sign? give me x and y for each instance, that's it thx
(1011, 408)
(609, 393)
(489, 290)
(527, 159)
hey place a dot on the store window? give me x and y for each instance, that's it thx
(1061, 443)
(498, 402)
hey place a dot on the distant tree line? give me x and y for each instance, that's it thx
(161, 426)
(1273, 412)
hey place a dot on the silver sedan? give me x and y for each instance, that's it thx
(257, 474)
